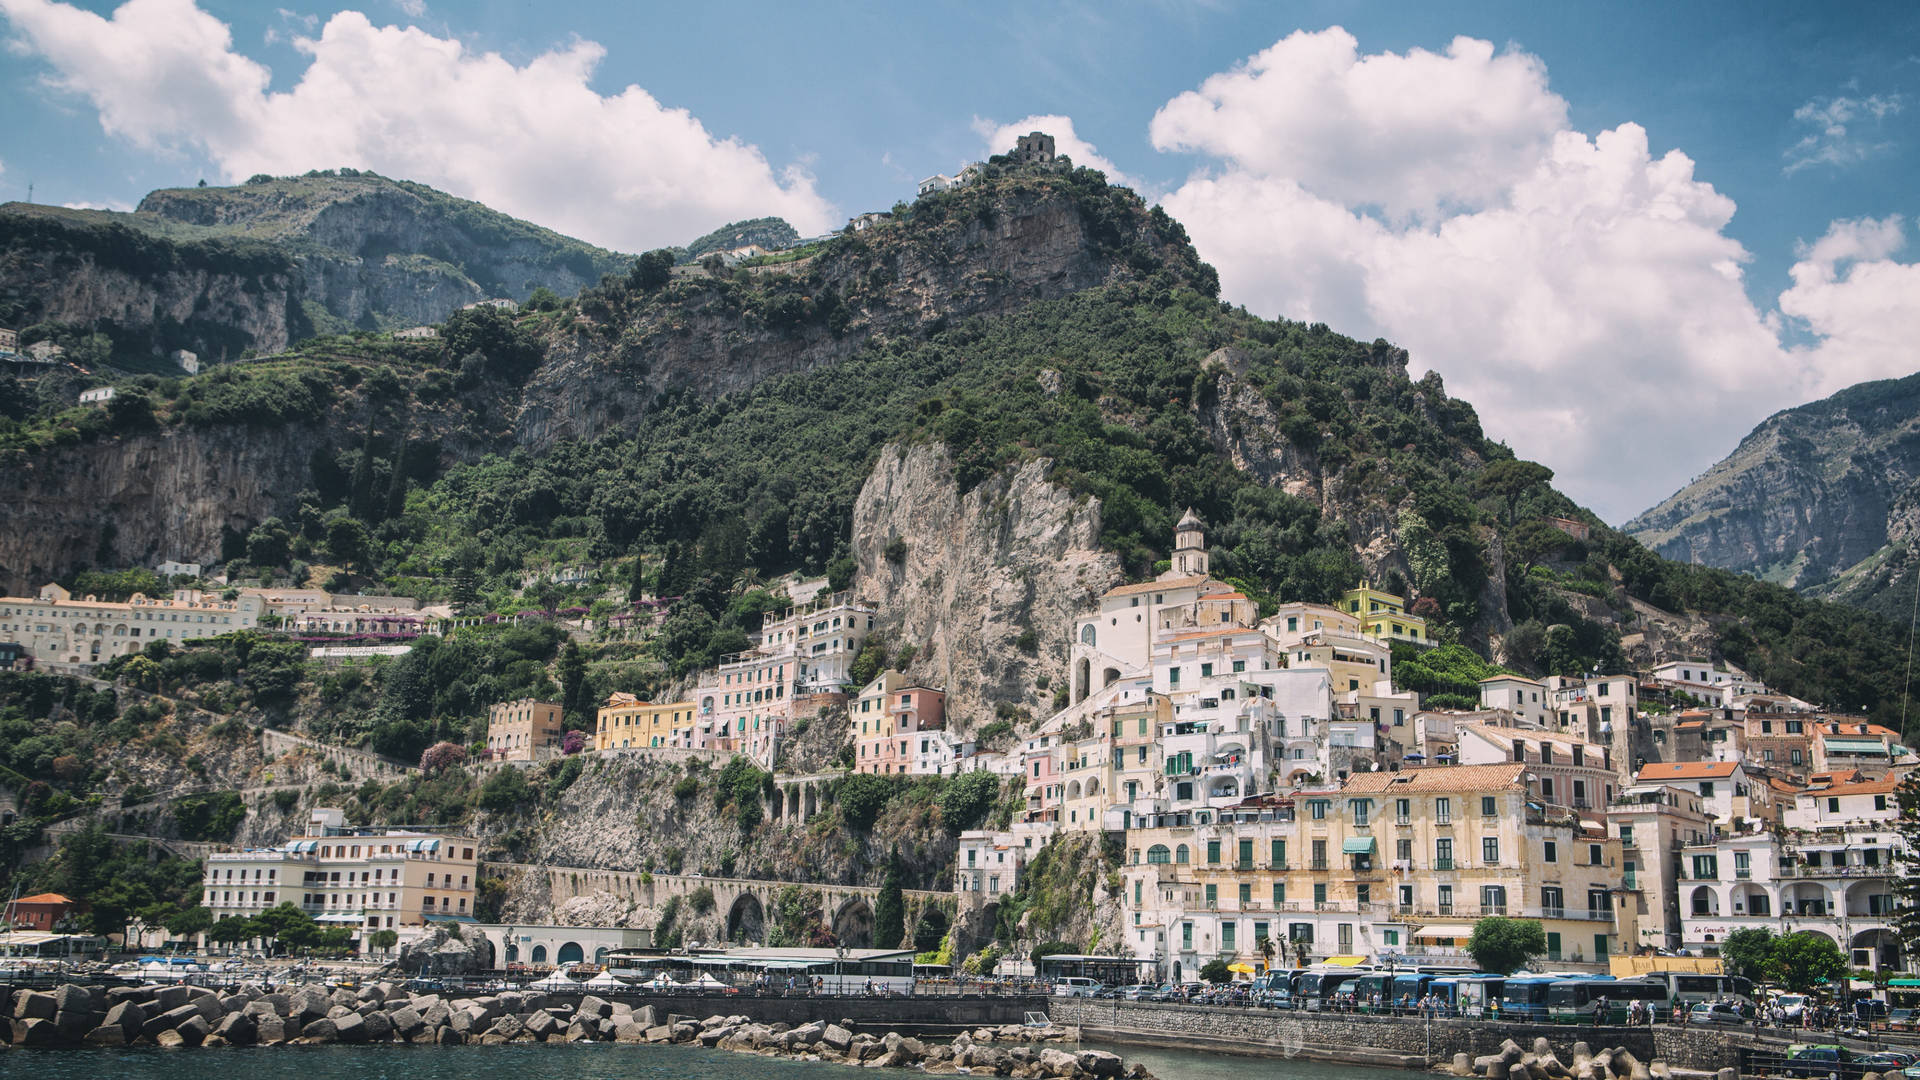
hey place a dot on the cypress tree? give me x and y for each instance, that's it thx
(890, 909)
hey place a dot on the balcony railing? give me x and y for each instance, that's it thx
(1317, 864)
(1443, 864)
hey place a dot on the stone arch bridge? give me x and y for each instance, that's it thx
(746, 903)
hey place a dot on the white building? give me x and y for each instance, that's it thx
(63, 633)
(417, 333)
(987, 864)
(365, 879)
(99, 395)
(188, 360)
(1525, 698)
(171, 568)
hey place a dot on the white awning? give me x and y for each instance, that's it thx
(1444, 930)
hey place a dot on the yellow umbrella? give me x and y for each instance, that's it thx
(1244, 969)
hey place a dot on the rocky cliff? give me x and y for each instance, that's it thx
(1812, 498)
(981, 584)
(248, 270)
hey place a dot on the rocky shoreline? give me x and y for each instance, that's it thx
(189, 1016)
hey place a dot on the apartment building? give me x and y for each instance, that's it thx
(1387, 861)
(524, 730)
(899, 726)
(62, 633)
(627, 723)
(365, 879)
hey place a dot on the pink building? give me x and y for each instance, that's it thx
(1040, 767)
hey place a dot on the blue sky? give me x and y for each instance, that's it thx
(1611, 312)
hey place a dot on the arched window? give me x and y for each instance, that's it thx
(1086, 634)
(1180, 854)
(1158, 853)
(570, 953)
(539, 954)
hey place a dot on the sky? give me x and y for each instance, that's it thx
(1625, 232)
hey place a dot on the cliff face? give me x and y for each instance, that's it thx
(1811, 497)
(226, 272)
(1015, 554)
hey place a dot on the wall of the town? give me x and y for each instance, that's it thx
(1395, 1041)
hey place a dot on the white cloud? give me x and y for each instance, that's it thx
(1835, 139)
(1581, 292)
(999, 139)
(535, 140)
(110, 204)
(413, 9)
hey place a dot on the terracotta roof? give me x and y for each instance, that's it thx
(1506, 735)
(1851, 730)
(1699, 713)
(1783, 785)
(1686, 770)
(1158, 586)
(44, 898)
(1441, 778)
(1858, 787)
(1837, 776)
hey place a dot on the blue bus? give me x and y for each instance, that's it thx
(1525, 999)
(1472, 995)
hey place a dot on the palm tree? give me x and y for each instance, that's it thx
(1267, 950)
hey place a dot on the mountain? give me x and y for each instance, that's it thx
(982, 411)
(228, 272)
(767, 232)
(1821, 498)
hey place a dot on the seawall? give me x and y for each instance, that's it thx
(1404, 1042)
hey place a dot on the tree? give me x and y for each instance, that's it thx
(383, 939)
(1510, 478)
(1500, 944)
(348, 541)
(268, 543)
(234, 929)
(1746, 952)
(505, 791)
(1215, 971)
(1805, 959)
(188, 922)
(861, 797)
(573, 682)
(968, 800)
(1906, 886)
(652, 270)
(890, 907)
(441, 756)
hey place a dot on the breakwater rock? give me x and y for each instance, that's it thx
(191, 1016)
(1512, 1062)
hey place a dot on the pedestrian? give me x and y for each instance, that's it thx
(1599, 1010)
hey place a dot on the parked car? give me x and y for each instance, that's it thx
(1794, 1006)
(1903, 1019)
(1889, 1060)
(1716, 1014)
(1075, 986)
(1814, 1059)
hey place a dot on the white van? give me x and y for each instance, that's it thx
(1074, 987)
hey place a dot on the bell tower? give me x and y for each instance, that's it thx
(1190, 546)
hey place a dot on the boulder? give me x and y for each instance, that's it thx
(1099, 1062)
(447, 1036)
(68, 997)
(436, 1014)
(307, 1006)
(659, 1033)
(1057, 1062)
(118, 994)
(634, 1033)
(321, 1030)
(507, 1027)
(379, 1026)
(271, 1030)
(541, 1024)
(170, 997)
(238, 1028)
(594, 1006)
(107, 1035)
(406, 1023)
(34, 1005)
(582, 1031)
(170, 1039)
(714, 1036)
(194, 1029)
(74, 1025)
(836, 1038)
(351, 1028)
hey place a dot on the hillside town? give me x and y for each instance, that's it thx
(1278, 799)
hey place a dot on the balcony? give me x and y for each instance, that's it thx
(1280, 864)
(1443, 864)
(1317, 864)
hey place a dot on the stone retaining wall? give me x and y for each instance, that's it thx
(1376, 1040)
(926, 1015)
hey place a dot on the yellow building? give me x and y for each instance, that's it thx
(1387, 862)
(524, 730)
(1383, 615)
(626, 722)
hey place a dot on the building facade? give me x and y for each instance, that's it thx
(63, 633)
(524, 730)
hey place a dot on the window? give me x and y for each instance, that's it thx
(1403, 850)
(1551, 853)
(1180, 854)
(1301, 932)
(1213, 895)
(1319, 855)
(1552, 902)
(1706, 867)
(1596, 855)
(1490, 851)
(1489, 806)
(1626, 833)
(1246, 894)
(1793, 756)
(1403, 811)
(1240, 666)
(1493, 899)
(1186, 935)
(1279, 894)
(1833, 805)
(1227, 935)
(1346, 937)
(1213, 852)
(1317, 809)
(1363, 894)
(1158, 853)
(1706, 789)
(1443, 810)
(1446, 899)
(1546, 782)
(1173, 676)
(1362, 809)
(1319, 894)
(1246, 853)
(1443, 854)
(1279, 853)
